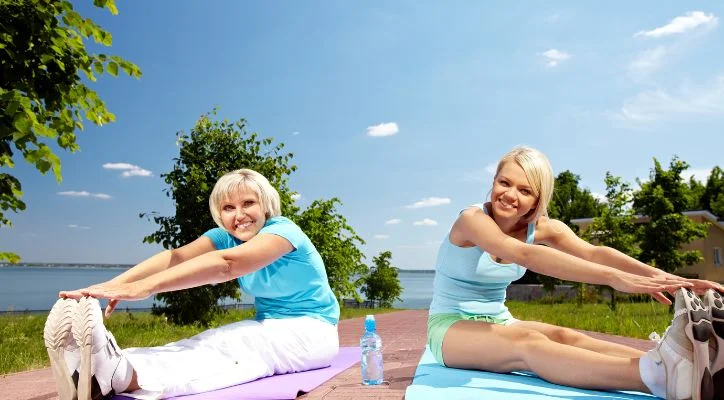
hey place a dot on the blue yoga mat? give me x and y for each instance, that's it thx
(433, 381)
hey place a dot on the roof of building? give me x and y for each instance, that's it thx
(698, 213)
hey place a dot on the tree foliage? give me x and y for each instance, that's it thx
(569, 202)
(211, 149)
(382, 284)
(337, 243)
(712, 198)
(663, 199)
(43, 59)
(615, 227)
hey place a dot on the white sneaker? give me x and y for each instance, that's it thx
(62, 349)
(104, 369)
(714, 302)
(684, 350)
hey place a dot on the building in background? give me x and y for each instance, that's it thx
(710, 247)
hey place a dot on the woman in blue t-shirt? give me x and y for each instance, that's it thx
(490, 245)
(295, 328)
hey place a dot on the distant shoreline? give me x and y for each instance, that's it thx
(94, 265)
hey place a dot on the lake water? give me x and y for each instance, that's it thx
(35, 288)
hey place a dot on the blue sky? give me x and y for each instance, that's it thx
(400, 108)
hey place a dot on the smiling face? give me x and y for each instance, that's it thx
(512, 195)
(242, 214)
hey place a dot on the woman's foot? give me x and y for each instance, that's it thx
(715, 303)
(62, 349)
(684, 351)
(104, 369)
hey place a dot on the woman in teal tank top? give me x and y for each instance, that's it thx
(492, 244)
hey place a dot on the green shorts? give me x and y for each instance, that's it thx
(438, 324)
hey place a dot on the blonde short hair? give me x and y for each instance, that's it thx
(244, 179)
(538, 170)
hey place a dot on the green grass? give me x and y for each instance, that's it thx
(21, 334)
(636, 320)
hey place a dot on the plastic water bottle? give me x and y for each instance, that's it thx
(371, 343)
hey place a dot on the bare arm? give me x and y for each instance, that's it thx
(214, 267)
(478, 228)
(559, 236)
(165, 260)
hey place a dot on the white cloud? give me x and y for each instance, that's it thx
(74, 226)
(295, 133)
(553, 57)
(383, 129)
(85, 193)
(119, 165)
(74, 193)
(393, 221)
(128, 169)
(600, 197)
(700, 174)
(491, 168)
(425, 222)
(648, 61)
(687, 103)
(682, 24)
(429, 202)
(296, 196)
(382, 237)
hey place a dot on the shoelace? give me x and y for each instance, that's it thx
(654, 336)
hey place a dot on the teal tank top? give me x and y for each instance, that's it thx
(469, 282)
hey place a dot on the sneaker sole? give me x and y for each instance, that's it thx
(698, 330)
(83, 324)
(716, 309)
(55, 333)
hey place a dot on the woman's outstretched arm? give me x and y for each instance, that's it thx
(559, 236)
(213, 267)
(477, 227)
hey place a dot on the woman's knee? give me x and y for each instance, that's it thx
(566, 336)
(530, 342)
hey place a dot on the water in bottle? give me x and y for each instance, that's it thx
(371, 343)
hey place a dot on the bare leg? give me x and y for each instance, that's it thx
(497, 348)
(574, 338)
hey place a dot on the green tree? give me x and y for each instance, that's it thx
(337, 243)
(615, 227)
(382, 284)
(42, 95)
(694, 193)
(712, 198)
(211, 149)
(569, 202)
(663, 199)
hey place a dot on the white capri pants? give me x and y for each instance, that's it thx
(233, 354)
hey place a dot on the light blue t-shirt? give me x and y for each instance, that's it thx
(292, 286)
(469, 282)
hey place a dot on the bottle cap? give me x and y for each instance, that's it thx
(370, 324)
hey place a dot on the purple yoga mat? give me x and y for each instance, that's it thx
(285, 386)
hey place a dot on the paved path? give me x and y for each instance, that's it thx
(403, 335)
